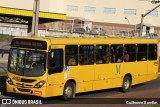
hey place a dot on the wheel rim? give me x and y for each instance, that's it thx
(68, 92)
(126, 84)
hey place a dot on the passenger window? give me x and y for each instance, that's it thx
(116, 53)
(71, 55)
(102, 54)
(86, 54)
(152, 52)
(141, 52)
(129, 53)
(55, 61)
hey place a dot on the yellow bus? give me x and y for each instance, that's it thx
(65, 66)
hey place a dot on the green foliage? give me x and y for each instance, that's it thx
(5, 38)
(2, 73)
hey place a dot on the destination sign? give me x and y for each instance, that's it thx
(28, 43)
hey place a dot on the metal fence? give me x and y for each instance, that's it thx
(109, 30)
(63, 28)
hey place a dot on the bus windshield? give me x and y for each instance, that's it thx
(27, 62)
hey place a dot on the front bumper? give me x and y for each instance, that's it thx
(41, 92)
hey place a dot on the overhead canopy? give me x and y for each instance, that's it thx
(12, 14)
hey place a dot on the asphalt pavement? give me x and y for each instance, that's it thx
(146, 92)
(3, 61)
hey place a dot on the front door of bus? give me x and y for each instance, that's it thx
(55, 79)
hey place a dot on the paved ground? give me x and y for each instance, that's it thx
(149, 91)
(3, 61)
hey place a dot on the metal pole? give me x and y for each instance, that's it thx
(141, 26)
(127, 20)
(142, 17)
(35, 18)
(128, 23)
(151, 10)
(72, 26)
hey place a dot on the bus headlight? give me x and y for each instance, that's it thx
(40, 84)
(9, 81)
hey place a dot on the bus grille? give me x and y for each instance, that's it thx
(23, 85)
(24, 90)
(27, 80)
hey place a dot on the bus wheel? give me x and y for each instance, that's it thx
(126, 85)
(68, 91)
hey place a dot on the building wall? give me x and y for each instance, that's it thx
(61, 6)
(56, 6)
(119, 16)
(25, 4)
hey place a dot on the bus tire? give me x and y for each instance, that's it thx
(68, 91)
(126, 85)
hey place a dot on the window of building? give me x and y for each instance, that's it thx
(153, 13)
(141, 52)
(110, 10)
(102, 54)
(90, 9)
(86, 54)
(130, 11)
(71, 55)
(116, 53)
(72, 8)
(129, 53)
(152, 52)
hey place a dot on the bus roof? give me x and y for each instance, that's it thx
(91, 40)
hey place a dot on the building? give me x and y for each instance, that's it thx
(111, 15)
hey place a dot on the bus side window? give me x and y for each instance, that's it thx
(130, 49)
(86, 54)
(152, 53)
(102, 54)
(71, 55)
(55, 61)
(116, 53)
(142, 52)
